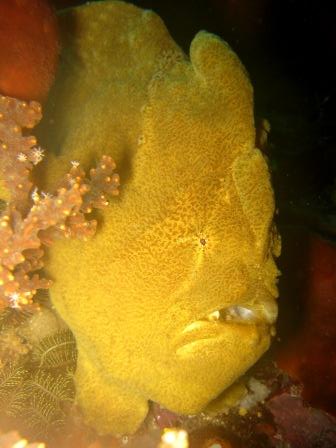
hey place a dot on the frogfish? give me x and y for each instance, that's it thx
(174, 298)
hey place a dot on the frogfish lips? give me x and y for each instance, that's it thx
(211, 327)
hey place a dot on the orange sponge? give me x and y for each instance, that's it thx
(29, 48)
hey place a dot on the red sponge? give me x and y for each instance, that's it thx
(29, 48)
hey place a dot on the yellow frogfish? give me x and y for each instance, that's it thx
(174, 298)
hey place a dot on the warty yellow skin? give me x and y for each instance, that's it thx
(191, 232)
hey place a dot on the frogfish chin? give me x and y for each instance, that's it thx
(174, 298)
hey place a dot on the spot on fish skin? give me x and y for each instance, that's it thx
(141, 140)
(203, 241)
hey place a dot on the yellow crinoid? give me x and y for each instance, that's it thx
(173, 299)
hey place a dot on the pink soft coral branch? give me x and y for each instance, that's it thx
(31, 220)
